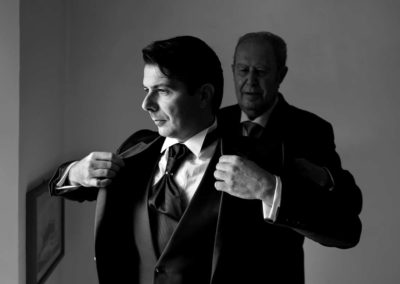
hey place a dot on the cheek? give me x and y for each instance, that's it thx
(172, 112)
(267, 86)
(239, 82)
(187, 111)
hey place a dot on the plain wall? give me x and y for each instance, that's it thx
(343, 65)
(42, 84)
(9, 135)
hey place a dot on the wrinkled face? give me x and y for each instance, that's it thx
(255, 76)
(175, 112)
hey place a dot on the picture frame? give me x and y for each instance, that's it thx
(44, 233)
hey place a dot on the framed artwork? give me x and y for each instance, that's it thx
(44, 233)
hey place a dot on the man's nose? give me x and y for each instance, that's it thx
(252, 77)
(149, 102)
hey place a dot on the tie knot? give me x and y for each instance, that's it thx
(176, 154)
(252, 129)
(177, 151)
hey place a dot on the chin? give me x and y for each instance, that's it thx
(253, 110)
(162, 131)
(166, 132)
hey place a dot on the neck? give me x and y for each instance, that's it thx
(204, 123)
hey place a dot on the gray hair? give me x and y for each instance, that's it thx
(277, 43)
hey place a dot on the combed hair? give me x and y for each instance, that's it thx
(277, 43)
(189, 60)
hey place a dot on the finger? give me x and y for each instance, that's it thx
(226, 167)
(105, 165)
(105, 156)
(108, 156)
(98, 182)
(231, 159)
(103, 173)
(103, 182)
(220, 175)
(220, 185)
(93, 182)
(115, 159)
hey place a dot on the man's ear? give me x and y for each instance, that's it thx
(282, 74)
(206, 92)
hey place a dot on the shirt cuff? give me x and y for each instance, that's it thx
(64, 182)
(270, 211)
(332, 181)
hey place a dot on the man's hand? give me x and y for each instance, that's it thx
(95, 170)
(244, 179)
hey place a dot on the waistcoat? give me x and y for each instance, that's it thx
(187, 258)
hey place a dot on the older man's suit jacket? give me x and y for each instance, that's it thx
(326, 213)
(245, 247)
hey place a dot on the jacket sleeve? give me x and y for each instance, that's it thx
(77, 193)
(324, 212)
(90, 193)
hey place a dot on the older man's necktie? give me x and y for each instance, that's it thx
(252, 129)
(167, 199)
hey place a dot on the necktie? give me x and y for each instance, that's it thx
(166, 200)
(252, 129)
(166, 196)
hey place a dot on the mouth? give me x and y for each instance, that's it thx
(252, 94)
(159, 122)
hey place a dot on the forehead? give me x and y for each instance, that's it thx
(152, 75)
(255, 52)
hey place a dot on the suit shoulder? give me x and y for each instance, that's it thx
(144, 135)
(229, 115)
(300, 117)
(229, 111)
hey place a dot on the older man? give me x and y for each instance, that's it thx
(292, 165)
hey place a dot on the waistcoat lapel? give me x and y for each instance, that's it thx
(202, 211)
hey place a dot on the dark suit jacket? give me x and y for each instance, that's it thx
(326, 213)
(246, 248)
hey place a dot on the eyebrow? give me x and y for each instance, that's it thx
(169, 83)
(162, 85)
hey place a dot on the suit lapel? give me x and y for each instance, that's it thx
(115, 205)
(268, 152)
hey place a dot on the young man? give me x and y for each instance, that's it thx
(157, 208)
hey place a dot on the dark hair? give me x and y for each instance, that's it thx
(277, 43)
(189, 60)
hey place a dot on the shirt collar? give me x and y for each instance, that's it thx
(263, 118)
(194, 143)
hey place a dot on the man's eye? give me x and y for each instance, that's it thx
(262, 71)
(163, 91)
(241, 70)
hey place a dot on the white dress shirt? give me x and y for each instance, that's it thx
(190, 173)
